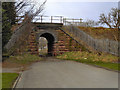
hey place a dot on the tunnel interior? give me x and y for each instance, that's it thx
(50, 42)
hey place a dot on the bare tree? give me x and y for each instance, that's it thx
(111, 19)
(91, 23)
(20, 37)
(28, 7)
(88, 23)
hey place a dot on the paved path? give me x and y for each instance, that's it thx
(54, 73)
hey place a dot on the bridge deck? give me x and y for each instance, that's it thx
(48, 25)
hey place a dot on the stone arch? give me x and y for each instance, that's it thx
(54, 34)
(51, 38)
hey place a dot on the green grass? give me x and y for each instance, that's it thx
(8, 79)
(113, 66)
(104, 60)
(0, 81)
(24, 59)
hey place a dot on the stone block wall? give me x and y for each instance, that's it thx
(65, 44)
(32, 44)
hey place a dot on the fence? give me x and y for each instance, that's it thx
(102, 45)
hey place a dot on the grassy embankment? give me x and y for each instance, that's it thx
(104, 60)
(102, 33)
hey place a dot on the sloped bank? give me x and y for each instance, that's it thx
(106, 61)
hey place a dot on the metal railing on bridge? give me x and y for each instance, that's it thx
(57, 19)
(54, 19)
(49, 19)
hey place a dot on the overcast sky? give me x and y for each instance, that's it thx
(78, 9)
(85, 10)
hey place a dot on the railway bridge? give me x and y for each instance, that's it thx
(58, 40)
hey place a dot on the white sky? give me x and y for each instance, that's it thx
(74, 9)
(69, 0)
(86, 9)
(79, 0)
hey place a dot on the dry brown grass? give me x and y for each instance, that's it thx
(104, 57)
(101, 33)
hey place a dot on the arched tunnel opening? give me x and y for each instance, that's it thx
(50, 42)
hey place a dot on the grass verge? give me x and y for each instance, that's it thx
(8, 79)
(23, 59)
(104, 60)
(21, 62)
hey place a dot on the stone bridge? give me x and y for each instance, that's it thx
(27, 35)
(58, 41)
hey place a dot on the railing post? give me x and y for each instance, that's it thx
(81, 20)
(51, 18)
(64, 21)
(41, 19)
(60, 19)
(73, 21)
